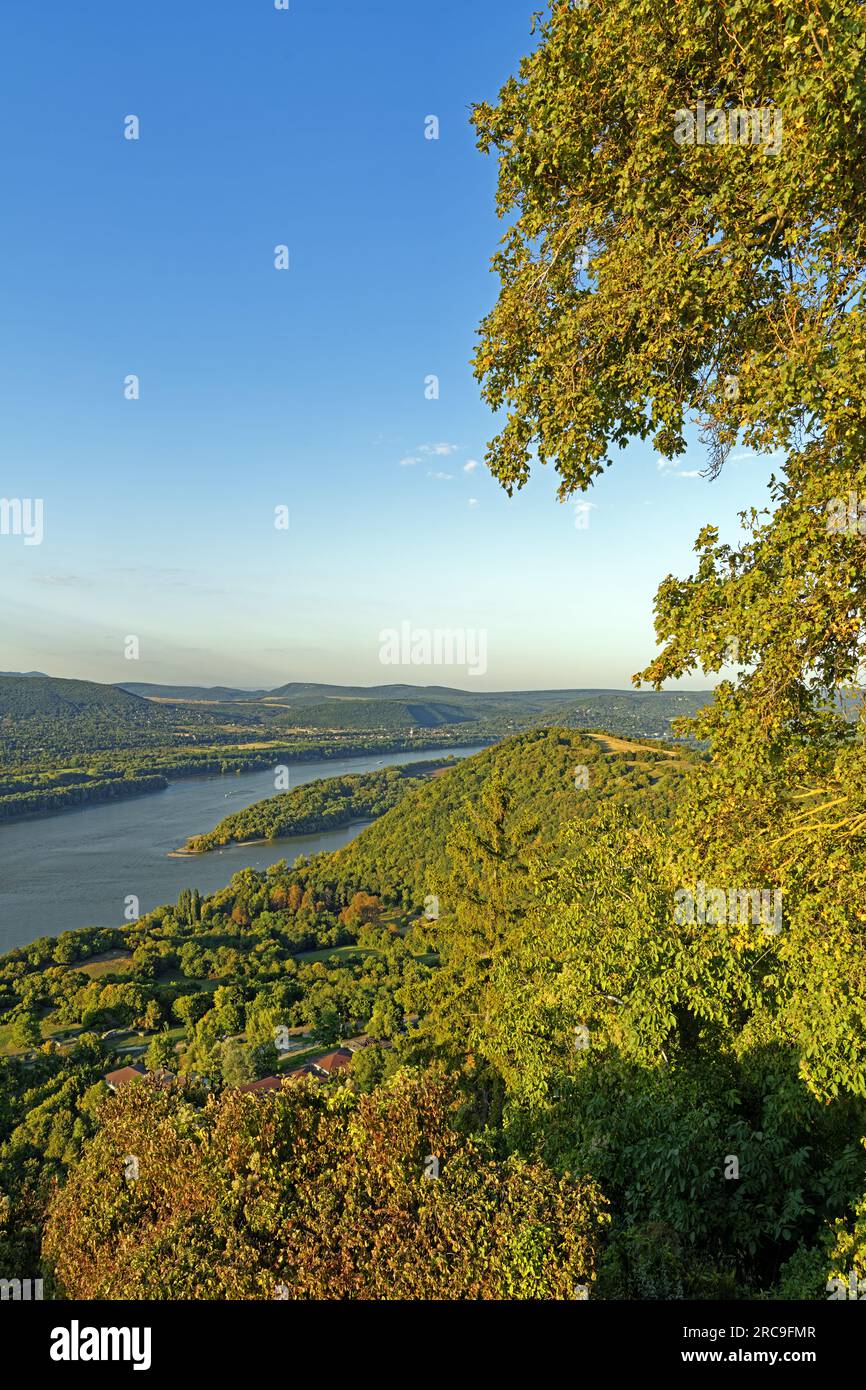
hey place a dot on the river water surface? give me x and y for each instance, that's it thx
(76, 869)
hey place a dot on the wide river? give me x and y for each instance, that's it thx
(77, 868)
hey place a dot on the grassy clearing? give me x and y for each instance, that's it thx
(107, 964)
(608, 743)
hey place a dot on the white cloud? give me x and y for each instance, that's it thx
(470, 465)
(473, 501)
(668, 467)
(428, 451)
(440, 450)
(441, 477)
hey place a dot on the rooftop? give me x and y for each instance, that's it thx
(123, 1076)
(333, 1061)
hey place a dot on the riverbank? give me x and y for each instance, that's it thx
(78, 796)
(59, 873)
(326, 804)
(275, 840)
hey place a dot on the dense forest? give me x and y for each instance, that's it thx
(319, 805)
(520, 966)
(555, 774)
(583, 1016)
(204, 988)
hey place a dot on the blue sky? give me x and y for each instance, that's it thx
(302, 388)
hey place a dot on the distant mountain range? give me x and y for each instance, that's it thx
(305, 692)
(313, 706)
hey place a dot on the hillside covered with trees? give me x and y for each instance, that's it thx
(321, 805)
(529, 970)
(554, 774)
(580, 1017)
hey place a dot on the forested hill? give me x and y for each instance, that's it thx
(551, 775)
(322, 805)
(26, 697)
(391, 715)
(45, 715)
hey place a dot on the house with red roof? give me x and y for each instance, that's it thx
(122, 1076)
(332, 1062)
(264, 1084)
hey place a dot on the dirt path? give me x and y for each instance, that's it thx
(609, 744)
